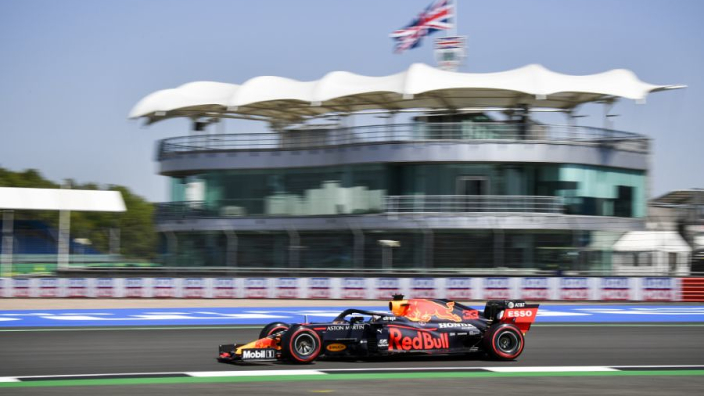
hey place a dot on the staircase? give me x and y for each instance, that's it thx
(692, 289)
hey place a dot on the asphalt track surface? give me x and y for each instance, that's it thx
(100, 351)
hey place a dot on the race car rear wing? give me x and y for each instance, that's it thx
(516, 312)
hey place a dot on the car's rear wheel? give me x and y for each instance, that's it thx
(300, 345)
(504, 342)
(272, 328)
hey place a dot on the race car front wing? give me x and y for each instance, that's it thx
(228, 354)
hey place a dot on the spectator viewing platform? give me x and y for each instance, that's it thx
(463, 171)
(454, 132)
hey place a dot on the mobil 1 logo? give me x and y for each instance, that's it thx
(259, 354)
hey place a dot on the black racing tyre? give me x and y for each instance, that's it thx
(300, 345)
(272, 328)
(504, 342)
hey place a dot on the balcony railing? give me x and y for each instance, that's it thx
(398, 133)
(473, 204)
(396, 205)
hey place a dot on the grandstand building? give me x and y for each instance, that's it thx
(421, 171)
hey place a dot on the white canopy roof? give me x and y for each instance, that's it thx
(60, 199)
(649, 241)
(419, 87)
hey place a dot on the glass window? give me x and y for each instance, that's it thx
(359, 189)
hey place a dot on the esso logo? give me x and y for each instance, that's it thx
(519, 313)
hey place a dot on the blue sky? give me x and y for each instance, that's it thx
(70, 71)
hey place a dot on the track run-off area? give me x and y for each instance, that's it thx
(613, 349)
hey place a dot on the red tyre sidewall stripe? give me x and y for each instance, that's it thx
(502, 354)
(292, 349)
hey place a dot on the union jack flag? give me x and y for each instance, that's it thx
(434, 18)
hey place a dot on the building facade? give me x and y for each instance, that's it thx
(451, 190)
(471, 198)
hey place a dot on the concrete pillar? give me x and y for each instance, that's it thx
(358, 253)
(294, 248)
(64, 239)
(7, 243)
(232, 246)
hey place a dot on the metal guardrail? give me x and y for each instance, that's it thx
(353, 272)
(397, 133)
(473, 204)
(397, 204)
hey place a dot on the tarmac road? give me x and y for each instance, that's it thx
(94, 351)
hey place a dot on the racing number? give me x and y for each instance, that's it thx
(469, 315)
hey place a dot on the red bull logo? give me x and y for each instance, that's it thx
(424, 311)
(420, 340)
(265, 343)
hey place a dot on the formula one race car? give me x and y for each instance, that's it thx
(420, 326)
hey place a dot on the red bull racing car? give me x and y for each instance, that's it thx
(414, 326)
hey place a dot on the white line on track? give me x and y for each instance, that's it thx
(682, 366)
(277, 372)
(60, 376)
(553, 369)
(253, 373)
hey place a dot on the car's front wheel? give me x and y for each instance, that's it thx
(504, 342)
(300, 345)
